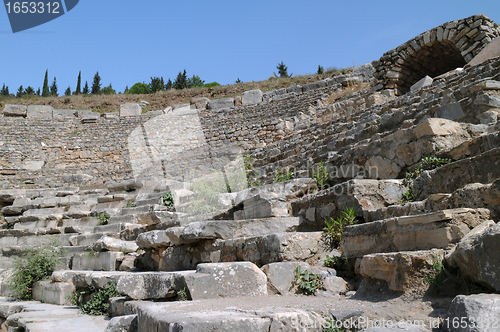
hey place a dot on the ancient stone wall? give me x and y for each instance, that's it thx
(434, 52)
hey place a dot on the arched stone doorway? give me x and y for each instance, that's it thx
(434, 52)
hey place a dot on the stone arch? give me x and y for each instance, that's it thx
(434, 52)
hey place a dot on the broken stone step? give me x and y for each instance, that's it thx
(149, 218)
(53, 293)
(411, 233)
(229, 229)
(46, 214)
(260, 250)
(402, 270)
(97, 261)
(153, 285)
(35, 239)
(407, 209)
(81, 222)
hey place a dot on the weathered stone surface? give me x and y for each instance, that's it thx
(401, 270)
(39, 112)
(251, 97)
(33, 165)
(220, 103)
(314, 85)
(54, 293)
(426, 81)
(452, 111)
(488, 100)
(130, 109)
(152, 285)
(385, 168)
(15, 110)
(153, 239)
(488, 117)
(112, 244)
(99, 261)
(126, 323)
(421, 232)
(485, 85)
(281, 275)
(478, 313)
(229, 229)
(199, 103)
(477, 256)
(492, 50)
(397, 327)
(214, 280)
(64, 114)
(437, 127)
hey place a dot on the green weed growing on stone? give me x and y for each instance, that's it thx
(99, 300)
(103, 218)
(321, 175)
(167, 199)
(425, 164)
(37, 264)
(251, 174)
(307, 283)
(335, 227)
(331, 262)
(130, 203)
(280, 176)
(331, 326)
(182, 295)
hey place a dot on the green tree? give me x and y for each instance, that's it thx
(53, 88)
(238, 81)
(29, 91)
(20, 92)
(45, 90)
(79, 84)
(169, 84)
(86, 89)
(283, 70)
(38, 91)
(194, 82)
(156, 84)
(181, 81)
(126, 89)
(67, 92)
(5, 90)
(139, 89)
(321, 70)
(96, 85)
(108, 90)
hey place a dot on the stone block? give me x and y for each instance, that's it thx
(181, 107)
(294, 89)
(40, 112)
(478, 313)
(485, 85)
(112, 244)
(437, 127)
(492, 50)
(152, 285)
(426, 81)
(251, 97)
(64, 114)
(126, 323)
(130, 109)
(280, 275)
(488, 100)
(199, 103)
(153, 239)
(15, 110)
(98, 261)
(33, 165)
(53, 293)
(220, 103)
(488, 117)
(313, 86)
(452, 111)
(226, 280)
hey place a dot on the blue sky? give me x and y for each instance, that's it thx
(130, 41)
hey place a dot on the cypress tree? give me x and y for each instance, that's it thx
(53, 88)
(96, 85)
(67, 92)
(78, 84)
(86, 89)
(45, 90)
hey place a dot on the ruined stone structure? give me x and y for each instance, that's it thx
(159, 203)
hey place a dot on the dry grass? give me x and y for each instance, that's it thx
(351, 88)
(162, 99)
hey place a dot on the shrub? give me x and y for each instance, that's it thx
(99, 301)
(321, 175)
(139, 89)
(307, 283)
(211, 85)
(280, 176)
(37, 264)
(335, 227)
(321, 70)
(167, 199)
(425, 164)
(283, 70)
(103, 218)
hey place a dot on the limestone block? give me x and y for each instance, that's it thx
(99, 261)
(220, 103)
(485, 85)
(214, 280)
(53, 293)
(251, 97)
(382, 168)
(294, 89)
(401, 270)
(199, 103)
(126, 323)
(112, 244)
(488, 100)
(15, 110)
(33, 165)
(450, 111)
(77, 212)
(314, 85)
(492, 50)
(130, 109)
(152, 285)
(181, 107)
(153, 239)
(477, 256)
(488, 117)
(281, 275)
(335, 285)
(426, 81)
(481, 309)
(437, 127)
(40, 112)
(64, 114)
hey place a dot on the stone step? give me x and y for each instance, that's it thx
(407, 209)
(411, 233)
(97, 261)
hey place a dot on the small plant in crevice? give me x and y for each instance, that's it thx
(321, 175)
(331, 326)
(307, 283)
(425, 164)
(251, 173)
(282, 176)
(37, 264)
(331, 262)
(98, 304)
(182, 295)
(130, 204)
(167, 199)
(103, 218)
(335, 227)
